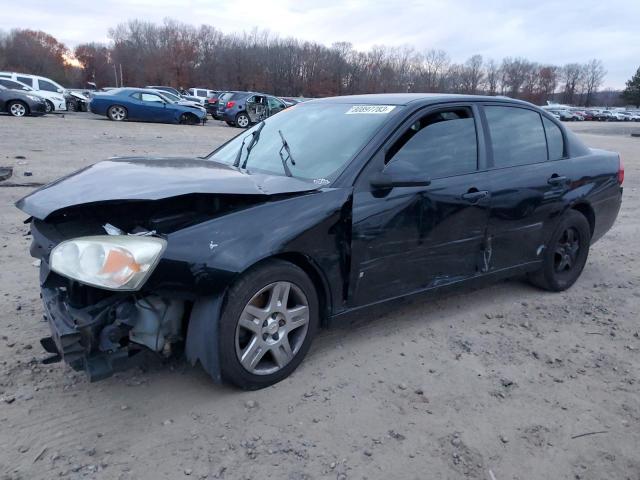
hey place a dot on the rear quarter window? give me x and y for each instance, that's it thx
(517, 136)
(555, 142)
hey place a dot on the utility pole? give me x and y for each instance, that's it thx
(121, 82)
(115, 73)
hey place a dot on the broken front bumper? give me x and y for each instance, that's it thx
(75, 337)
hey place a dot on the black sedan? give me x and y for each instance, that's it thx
(324, 209)
(19, 104)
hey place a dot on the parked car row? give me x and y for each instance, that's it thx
(601, 115)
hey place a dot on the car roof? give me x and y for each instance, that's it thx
(407, 98)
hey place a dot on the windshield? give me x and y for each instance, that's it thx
(321, 138)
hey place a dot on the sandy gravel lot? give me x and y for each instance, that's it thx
(495, 384)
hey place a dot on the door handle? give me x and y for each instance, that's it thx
(475, 195)
(556, 179)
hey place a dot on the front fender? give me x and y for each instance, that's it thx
(204, 259)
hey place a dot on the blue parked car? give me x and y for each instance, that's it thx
(144, 105)
(242, 109)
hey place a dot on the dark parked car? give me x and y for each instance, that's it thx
(332, 206)
(211, 104)
(242, 109)
(18, 103)
(144, 105)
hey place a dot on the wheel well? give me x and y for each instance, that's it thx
(586, 210)
(189, 117)
(316, 277)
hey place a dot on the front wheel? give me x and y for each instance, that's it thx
(566, 254)
(18, 109)
(49, 107)
(242, 120)
(267, 325)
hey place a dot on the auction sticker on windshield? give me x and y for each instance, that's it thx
(367, 109)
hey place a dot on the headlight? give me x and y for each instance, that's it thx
(34, 98)
(114, 262)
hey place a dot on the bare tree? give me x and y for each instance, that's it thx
(472, 75)
(594, 73)
(573, 77)
(492, 74)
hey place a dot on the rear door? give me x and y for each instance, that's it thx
(528, 182)
(408, 239)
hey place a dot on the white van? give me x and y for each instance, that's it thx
(202, 93)
(52, 92)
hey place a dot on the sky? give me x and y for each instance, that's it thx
(545, 31)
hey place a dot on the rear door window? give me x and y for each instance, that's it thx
(26, 80)
(441, 144)
(555, 142)
(47, 86)
(517, 136)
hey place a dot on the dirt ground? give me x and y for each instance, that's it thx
(506, 382)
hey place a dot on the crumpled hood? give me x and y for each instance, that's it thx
(152, 179)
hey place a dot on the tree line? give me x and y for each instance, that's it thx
(181, 55)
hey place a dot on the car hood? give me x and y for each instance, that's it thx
(135, 178)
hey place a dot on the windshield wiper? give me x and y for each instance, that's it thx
(285, 146)
(254, 138)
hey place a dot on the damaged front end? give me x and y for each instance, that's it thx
(204, 217)
(99, 330)
(107, 336)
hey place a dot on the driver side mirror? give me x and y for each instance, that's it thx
(399, 174)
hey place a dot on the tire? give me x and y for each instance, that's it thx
(49, 107)
(242, 120)
(566, 254)
(249, 302)
(72, 106)
(17, 108)
(117, 113)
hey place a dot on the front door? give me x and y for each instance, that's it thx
(407, 239)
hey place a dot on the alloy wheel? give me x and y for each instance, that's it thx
(242, 121)
(272, 328)
(18, 110)
(48, 107)
(118, 113)
(566, 251)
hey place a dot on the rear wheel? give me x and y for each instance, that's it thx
(565, 255)
(267, 325)
(243, 120)
(117, 113)
(18, 109)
